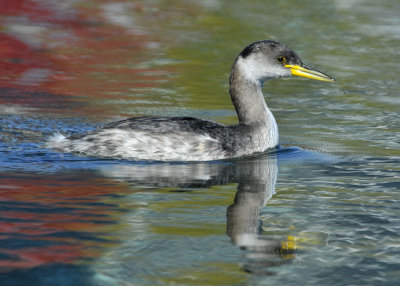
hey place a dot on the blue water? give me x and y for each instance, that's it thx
(73, 220)
(321, 210)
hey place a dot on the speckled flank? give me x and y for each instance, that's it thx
(140, 145)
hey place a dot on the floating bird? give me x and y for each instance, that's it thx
(160, 138)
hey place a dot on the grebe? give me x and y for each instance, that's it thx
(190, 139)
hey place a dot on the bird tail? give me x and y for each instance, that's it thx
(57, 141)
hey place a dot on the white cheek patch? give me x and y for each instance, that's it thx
(257, 68)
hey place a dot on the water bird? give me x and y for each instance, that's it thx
(162, 138)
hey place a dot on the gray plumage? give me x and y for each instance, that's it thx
(191, 139)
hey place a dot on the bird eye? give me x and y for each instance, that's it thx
(282, 59)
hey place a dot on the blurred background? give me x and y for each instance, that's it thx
(70, 66)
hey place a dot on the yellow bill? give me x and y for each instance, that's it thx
(309, 73)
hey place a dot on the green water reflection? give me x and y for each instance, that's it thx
(174, 58)
(350, 41)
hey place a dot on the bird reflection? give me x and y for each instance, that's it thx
(243, 217)
(256, 178)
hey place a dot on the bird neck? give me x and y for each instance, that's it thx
(248, 99)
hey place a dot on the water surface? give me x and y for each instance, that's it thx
(323, 210)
